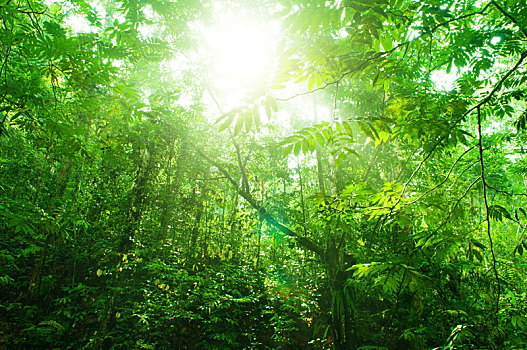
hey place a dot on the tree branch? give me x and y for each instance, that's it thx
(452, 210)
(382, 54)
(444, 180)
(508, 15)
(487, 212)
(245, 182)
(302, 240)
(476, 107)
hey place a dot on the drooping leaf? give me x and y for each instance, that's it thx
(239, 124)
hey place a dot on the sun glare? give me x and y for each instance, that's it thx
(240, 51)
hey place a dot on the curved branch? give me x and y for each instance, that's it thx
(444, 180)
(305, 242)
(452, 209)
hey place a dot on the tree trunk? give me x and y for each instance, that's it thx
(320, 171)
(172, 189)
(195, 229)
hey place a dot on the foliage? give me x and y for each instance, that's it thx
(351, 199)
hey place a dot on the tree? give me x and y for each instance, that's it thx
(386, 211)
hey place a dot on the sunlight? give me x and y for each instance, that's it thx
(240, 49)
(445, 81)
(240, 52)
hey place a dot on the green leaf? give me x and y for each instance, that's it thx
(478, 244)
(288, 149)
(271, 101)
(17, 114)
(497, 212)
(297, 148)
(268, 111)
(228, 121)
(320, 138)
(340, 159)
(312, 143)
(305, 146)
(248, 120)
(386, 42)
(366, 129)
(311, 82)
(256, 116)
(318, 80)
(348, 128)
(239, 124)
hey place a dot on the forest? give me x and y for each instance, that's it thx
(263, 174)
